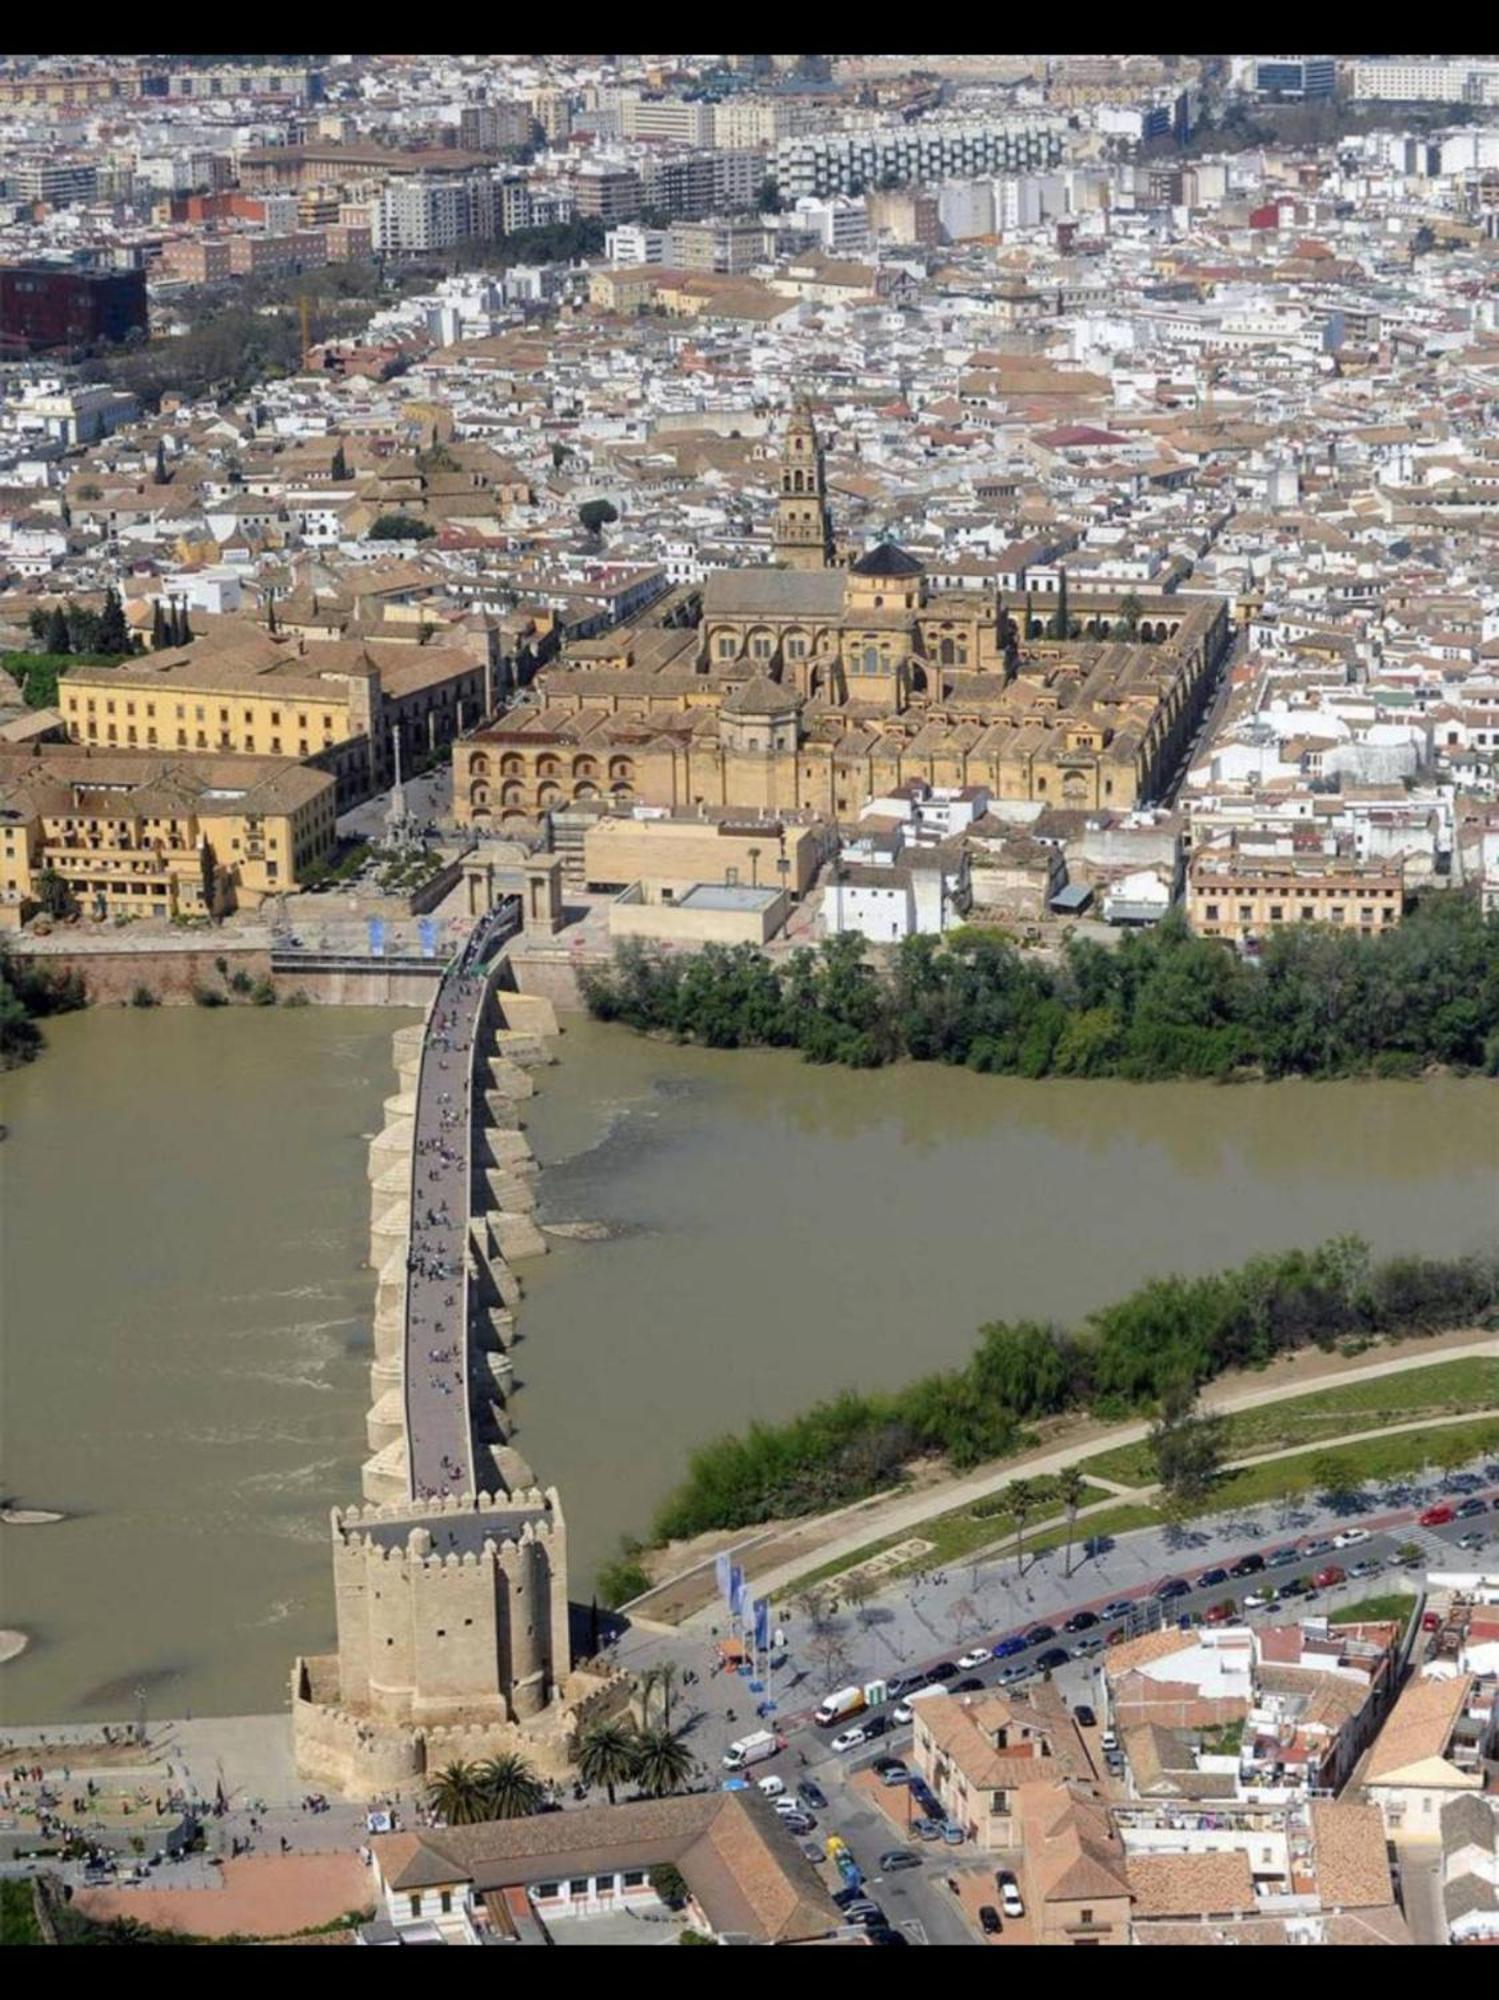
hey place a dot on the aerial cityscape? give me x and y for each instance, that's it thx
(749, 1000)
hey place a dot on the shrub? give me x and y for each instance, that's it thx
(144, 997)
(262, 993)
(204, 996)
(297, 999)
(239, 979)
(619, 1580)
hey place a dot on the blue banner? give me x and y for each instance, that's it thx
(426, 930)
(762, 1625)
(377, 937)
(723, 1570)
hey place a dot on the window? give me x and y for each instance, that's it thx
(1246, 913)
(1277, 913)
(445, 1901)
(1211, 913)
(1085, 1916)
(416, 1905)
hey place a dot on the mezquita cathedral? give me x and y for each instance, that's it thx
(812, 685)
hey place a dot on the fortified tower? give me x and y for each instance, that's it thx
(804, 532)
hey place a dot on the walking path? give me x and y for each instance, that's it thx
(884, 1519)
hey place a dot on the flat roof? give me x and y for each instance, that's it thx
(725, 896)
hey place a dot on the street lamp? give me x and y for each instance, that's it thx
(754, 857)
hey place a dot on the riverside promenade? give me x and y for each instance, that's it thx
(439, 1308)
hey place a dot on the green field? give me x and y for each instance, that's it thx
(962, 1534)
(1445, 1387)
(1375, 1459)
(1374, 1610)
(18, 1924)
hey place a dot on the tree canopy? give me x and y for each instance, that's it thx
(1164, 1003)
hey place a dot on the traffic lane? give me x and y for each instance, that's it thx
(1381, 1547)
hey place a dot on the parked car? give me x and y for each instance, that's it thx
(1039, 1634)
(1211, 1578)
(1109, 1741)
(1052, 1658)
(1325, 1579)
(1431, 1621)
(1473, 1541)
(899, 1684)
(927, 1829)
(1009, 1893)
(813, 1851)
(892, 1771)
(1008, 1648)
(1250, 1565)
(953, 1835)
(771, 1785)
(945, 1670)
(1116, 1637)
(1471, 1507)
(1120, 1608)
(972, 1685)
(1017, 1671)
(884, 1934)
(1297, 1587)
(1080, 1621)
(902, 1713)
(1350, 1538)
(1174, 1586)
(797, 1821)
(897, 1858)
(866, 1912)
(1219, 1614)
(849, 1739)
(1368, 1567)
(1083, 1716)
(980, 1657)
(812, 1795)
(1281, 1557)
(1088, 1645)
(876, 1725)
(1320, 1545)
(1260, 1600)
(989, 1922)
(1438, 1516)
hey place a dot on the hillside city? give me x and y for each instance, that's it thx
(984, 561)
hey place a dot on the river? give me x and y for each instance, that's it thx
(184, 1223)
(186, 1312)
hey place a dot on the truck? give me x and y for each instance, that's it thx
(840, 1706)
(752, 1749)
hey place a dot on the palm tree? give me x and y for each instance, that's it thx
(608, 1755)
(666, 1680)
(1071, 1486)
(1022, 1498)
(458, 1794)
(1130, 610)
(663, 1762)
(511, 1788)
(646, 1683)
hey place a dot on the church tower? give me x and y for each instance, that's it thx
(804, 533)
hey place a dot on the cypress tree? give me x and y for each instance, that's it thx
(1059, 624)
(57, 631)
(159, 638)
(339, 469)
(161, 462)
(113, 637)
(184, 630)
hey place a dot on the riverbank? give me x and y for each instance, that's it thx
(783, 1555)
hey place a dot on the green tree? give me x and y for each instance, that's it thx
(608, 1755)
(338, 471)
(1061, 627)
(511, 1789)
(58, 640)
(1131, 610)
(669, 1884)
(400, 528)
(457, 1793)
(1188, 1447)
(1023, 1496)
(54, 895)
(162, 475)
(1071, 1487)
(1333, 1480)
(161, 637)
(768, 197)
(596, 515)
(663, 1762)
(113, 634)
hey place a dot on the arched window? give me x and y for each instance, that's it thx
(513, 767)
(478, 765)
(871, 659)
(949, 652)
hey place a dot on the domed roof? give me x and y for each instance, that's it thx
(887, 560)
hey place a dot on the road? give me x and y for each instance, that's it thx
(440, 1445)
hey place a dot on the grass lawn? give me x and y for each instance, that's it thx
(1445, 1387)
(1374, 1610)
(18, 1924)
(1108, 1521)
(963, 1533)
(1376, 1459)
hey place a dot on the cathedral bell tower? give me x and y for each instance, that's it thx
(804, 533)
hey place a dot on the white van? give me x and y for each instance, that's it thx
(839, 1707)
(752, 1749)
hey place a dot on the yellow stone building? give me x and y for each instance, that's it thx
(140, 835)
(812, 688)
(239, 690)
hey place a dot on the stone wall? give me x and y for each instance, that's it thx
(168, 972)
